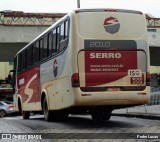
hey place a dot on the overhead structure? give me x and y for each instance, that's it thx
(19, 28)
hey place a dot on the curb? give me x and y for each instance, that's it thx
(143, 116)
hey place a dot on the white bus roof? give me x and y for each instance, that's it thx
(79, 11)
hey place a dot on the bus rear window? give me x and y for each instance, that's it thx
(103, 24)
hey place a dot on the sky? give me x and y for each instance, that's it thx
(64, 6)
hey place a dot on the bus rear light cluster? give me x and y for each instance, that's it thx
(75, 80)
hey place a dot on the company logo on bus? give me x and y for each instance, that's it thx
(111, 25)
(55, 67)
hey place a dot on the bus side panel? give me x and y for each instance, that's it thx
(54, 76)
(28, 88)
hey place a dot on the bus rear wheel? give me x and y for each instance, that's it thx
(101, 115)
(56, 115)
(46, 112)
(59, 115)
(106, 115)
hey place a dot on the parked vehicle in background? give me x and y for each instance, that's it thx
(6, 93)
(6, 108)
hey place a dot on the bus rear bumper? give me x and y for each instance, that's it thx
(111, 98)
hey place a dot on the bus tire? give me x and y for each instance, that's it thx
(106, 115)
(46, 112)
(25, 114)
(101, 115)
(96, 116)
(59, 115)
(19, 107)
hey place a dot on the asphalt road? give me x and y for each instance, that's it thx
(84, 124)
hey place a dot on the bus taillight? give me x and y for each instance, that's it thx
(75, 80)
(148, 79)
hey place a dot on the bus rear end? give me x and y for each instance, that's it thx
(112, 59)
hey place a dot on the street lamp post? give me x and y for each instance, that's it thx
(78, 3)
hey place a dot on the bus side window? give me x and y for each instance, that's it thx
(62, 31)
(54, 41)
(31, 52)
(66, 30)
(41, 46)
(19, 62)
(37, 52)
(64, 35)
(23, 61)
(29, 59)
(50, 44)
(57, 38)
(45, 49)
(34, 54)
(26, 60)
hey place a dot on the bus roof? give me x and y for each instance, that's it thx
(80, 11)
(108, 10)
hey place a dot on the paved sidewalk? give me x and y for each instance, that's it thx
(146, 112)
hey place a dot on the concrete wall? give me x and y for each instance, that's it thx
(24, 34)
(14, 38)
(16, 30)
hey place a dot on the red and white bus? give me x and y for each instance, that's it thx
(90, 61)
